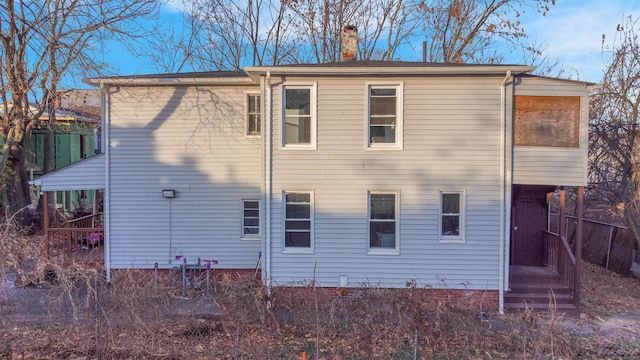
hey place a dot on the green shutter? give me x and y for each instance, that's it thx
(62, 150)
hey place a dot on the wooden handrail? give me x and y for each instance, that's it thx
(88, 221)
(75, 245)
(86, 217)
(567, 249)
(560, 258)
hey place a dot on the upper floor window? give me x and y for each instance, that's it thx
(383, 221)
(384, 116)
(452, 215)
(253, 114)
(298, 229)
(251, 219)
(299, 120)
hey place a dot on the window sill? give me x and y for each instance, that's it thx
(258, 136)
(384, 148)
(298, 147)
(254, 238)
(297, 251)
(384, 252)
(453, 240)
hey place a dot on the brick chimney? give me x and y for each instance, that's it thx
(349, 43)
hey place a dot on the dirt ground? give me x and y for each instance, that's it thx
(54, 323)
(610, 303)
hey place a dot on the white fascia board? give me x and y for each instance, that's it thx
(383, 70)
(160, 81)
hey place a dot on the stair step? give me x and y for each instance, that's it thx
(561, 308)
(532, 285)
(539, 300)
(540, 291)
(521, 305)
(538, 295)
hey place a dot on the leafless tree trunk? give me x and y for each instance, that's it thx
(614, 153)
(42, 42)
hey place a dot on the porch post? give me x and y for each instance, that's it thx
(562, 215)
(549, 197)
(45, 217)
(578, 245)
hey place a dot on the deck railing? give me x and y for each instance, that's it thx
(559, 257)
(77, 241)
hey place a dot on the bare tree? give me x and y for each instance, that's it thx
(231, 34)
(228, 35)
(43, 42)
(383, 26)
(468, 30)
(614, 153)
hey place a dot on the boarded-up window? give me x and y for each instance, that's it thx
(552, 121)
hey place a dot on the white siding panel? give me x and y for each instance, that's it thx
(190, 139)
(87, 174)
(451, 141)
(553, 166)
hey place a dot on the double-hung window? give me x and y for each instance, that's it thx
(253, 114)
(452, 208)
(384, 116)
(298, 223)
(299, 120)
(383, 221)
(250, 219)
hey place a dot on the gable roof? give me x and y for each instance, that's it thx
(251, 74)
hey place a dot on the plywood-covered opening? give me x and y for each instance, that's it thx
(552, 121)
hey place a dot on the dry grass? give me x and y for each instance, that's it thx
(137, 317)
(605, 292)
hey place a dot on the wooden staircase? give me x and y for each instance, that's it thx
(538, 289)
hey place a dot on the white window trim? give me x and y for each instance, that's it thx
(399, 144)
(244, 236)
(298, 250)
(460, 238)
(246, 115)
(383, 251)
(313, 87)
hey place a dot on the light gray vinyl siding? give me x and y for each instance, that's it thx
(86, 174)
(192, 140)
(451, 141)
(553, 166)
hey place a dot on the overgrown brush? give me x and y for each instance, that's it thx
(140, 314)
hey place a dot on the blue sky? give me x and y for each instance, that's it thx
(571, 32)
(573, 29)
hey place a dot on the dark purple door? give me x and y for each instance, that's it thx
(528, 223)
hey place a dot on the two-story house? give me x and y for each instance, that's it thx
(344, 174)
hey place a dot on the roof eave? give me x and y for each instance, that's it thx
(378, 70)
(151, 81)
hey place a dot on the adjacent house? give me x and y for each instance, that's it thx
(70, 138)
(346, 174)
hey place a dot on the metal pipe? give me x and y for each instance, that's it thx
(609, 247)
(208, 281)
(183, 276)
(105, 124)
(268, 190)
(504, 192)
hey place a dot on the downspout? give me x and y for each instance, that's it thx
(503, 189)
(105, 123)
(266, 276)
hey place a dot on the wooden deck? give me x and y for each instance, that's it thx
(538, 288)
(78, 241)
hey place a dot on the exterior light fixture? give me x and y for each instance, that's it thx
(168, 193)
